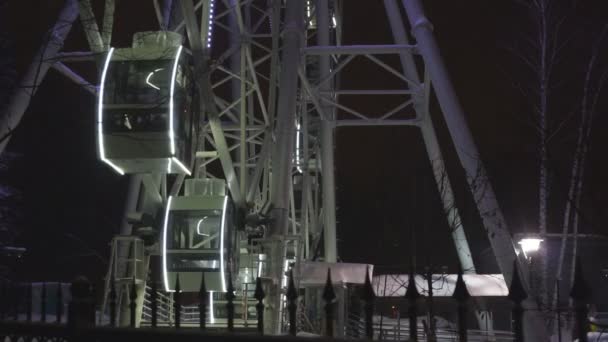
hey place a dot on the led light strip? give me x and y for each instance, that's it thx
(298, 160)
(166, 223)
(171, 94)
(210, 29)
(181, 165)
(149, 76)
(259, 265)
(198, 226)
(222, 229)
(211, 315)
(171, 116)
(102, 152)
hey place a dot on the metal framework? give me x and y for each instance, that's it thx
(271, 100)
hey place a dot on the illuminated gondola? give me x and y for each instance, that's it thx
(198, 237)
(147, 110)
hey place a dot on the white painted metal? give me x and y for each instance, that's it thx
(36, 71)
(283, 153)
(327, 140)
(249, 136)
(469, 157)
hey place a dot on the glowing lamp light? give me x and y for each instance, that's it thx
(530, 245)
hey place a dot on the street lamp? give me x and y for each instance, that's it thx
(530, 245)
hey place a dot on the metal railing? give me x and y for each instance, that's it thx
(16, 304)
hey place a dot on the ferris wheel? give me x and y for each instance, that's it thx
(224, 116)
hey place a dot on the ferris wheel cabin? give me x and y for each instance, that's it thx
(198, 238)
(146, 115)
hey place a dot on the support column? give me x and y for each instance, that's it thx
(327, 139)
(469, 157)
(36, 71)
(282, 157)
(431, 143)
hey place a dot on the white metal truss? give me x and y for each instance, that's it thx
(270, 104)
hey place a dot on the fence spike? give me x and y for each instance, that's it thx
(230, 303)
(113, 300)
(133, 303)
(202, 303)
(412, 296)
(517, 294)
(580, 293)
(461, 294)
(368, 297)
(177, 302)
(43, 302)
(259, 295)
(329, 296)
(59, 304)
(153, 298)
(292, 304)
(81, 310)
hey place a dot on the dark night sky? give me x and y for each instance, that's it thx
(384, 182)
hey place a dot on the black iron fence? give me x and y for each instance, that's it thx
(18, 321)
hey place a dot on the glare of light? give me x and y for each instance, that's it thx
(530, 245)
(171, 94)
(198, 226)
(148, 79)
(222, 230)
(259, 265)
(308, 9)
(181, 165)
(164, 251)
(298, 161)
(211, 315)
(333, 20)
(285, 268)
(100, 143)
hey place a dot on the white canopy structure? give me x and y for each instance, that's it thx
(479, 285)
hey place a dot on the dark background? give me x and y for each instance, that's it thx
(388, 208)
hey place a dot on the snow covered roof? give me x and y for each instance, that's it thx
(394, 285)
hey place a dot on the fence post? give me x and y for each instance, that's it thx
(517, 294)
(368, 297)
(3, 298)
(153, 298)
(292, 305)
(81, 309)
(15, 301)
(580, 293)
(43, 302)
(59, 304)
(259, 295)
(28, 302)
(202, 304)
(133, 303)
(177, 303)
(412, 296)
(230, 303)
(329, 296)
(113, 301)
(461, 294)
